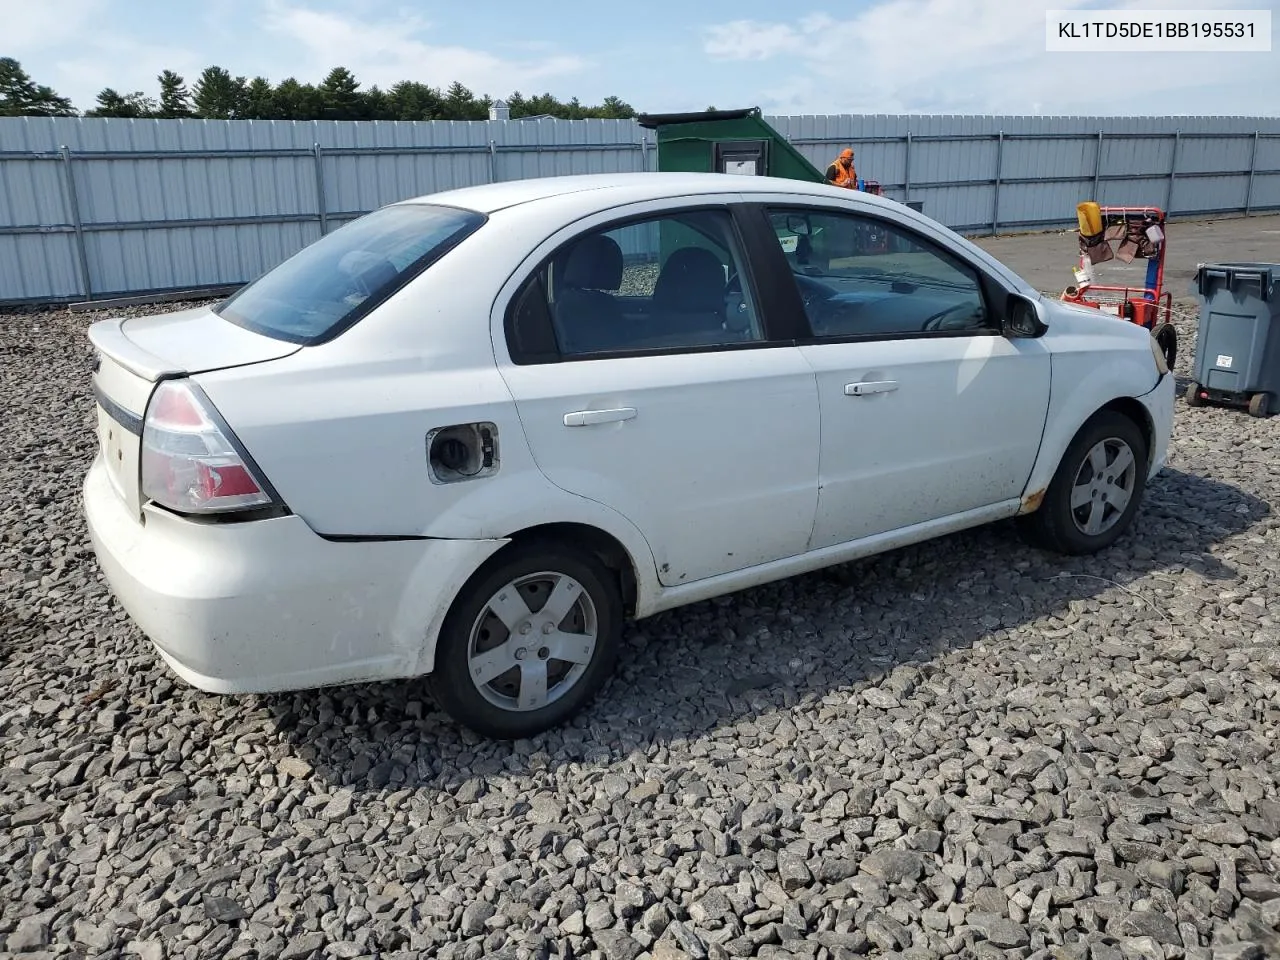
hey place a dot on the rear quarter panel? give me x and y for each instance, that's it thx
(346, 449)
(340, 429)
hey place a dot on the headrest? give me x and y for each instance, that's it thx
(372, 271)
(595, 263)
(692, 279)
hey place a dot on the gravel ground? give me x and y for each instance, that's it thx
(964, 749)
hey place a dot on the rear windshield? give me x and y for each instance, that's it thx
(329, 285)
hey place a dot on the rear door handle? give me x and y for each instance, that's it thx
(585, 418)
(869, 387)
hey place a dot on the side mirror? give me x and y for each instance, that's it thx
(1022, 319)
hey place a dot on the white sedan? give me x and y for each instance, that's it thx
(469, 435)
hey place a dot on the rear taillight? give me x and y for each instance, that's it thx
(189, 462)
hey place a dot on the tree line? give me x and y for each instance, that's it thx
(217, 95)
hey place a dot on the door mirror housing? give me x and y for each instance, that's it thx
(1022, 318)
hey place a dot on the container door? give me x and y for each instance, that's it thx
(744, 157)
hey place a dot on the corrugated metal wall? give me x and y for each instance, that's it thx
(108, 207)
(996, 174)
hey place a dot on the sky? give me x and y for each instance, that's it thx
(799, 57)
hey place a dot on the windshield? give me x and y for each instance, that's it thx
(330, 284)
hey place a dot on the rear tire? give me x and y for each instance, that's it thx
(1260, 405)
(1193, 395)
(1096, 491)
(508, 669)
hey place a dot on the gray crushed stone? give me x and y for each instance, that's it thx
(967, 748)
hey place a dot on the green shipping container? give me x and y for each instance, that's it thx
(721, 141)
(726, 141)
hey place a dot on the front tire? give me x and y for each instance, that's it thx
(529, 641)
(1093, 497)
(1167, 337)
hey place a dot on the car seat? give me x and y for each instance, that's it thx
(689, 296)
(587, 318)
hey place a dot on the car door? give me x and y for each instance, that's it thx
(647, 378)
(926, 410)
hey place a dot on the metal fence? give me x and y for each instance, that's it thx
(101, 208)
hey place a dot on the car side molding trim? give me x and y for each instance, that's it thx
(126, 418)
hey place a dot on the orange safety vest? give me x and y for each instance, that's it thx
(846, 176)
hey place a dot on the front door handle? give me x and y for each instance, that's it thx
(869, 387)
(585, 418)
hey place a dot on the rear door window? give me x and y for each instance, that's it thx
(670, 282)
(329, 285)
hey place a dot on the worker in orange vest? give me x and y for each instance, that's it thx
(842, 173)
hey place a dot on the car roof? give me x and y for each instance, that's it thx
(609, 190)
(619, 188)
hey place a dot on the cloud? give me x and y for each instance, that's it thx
(750, 40)
(124, 64)
(30, 25)
(957, 56)
(74, 47)
(80, 46)
(385, 52)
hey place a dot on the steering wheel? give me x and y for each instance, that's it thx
(936, 322)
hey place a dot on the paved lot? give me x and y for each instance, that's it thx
(1046, 259)
(964, 749)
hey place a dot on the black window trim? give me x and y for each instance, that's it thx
(765, 295)
(474, 221)
(519, 356)
(772, 262)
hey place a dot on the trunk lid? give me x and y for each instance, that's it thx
(136, 353)
(197, 340)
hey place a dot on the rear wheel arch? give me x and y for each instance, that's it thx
(603, 570)
(506, 669)
(605, 547)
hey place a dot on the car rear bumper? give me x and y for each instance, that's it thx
(268, 605)
(1159, 403)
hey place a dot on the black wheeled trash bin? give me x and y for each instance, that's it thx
(1238, 346)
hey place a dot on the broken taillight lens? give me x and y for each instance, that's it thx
(189, 462)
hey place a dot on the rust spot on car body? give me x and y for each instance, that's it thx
(1031, 502)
